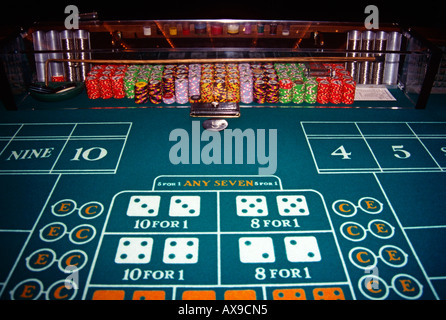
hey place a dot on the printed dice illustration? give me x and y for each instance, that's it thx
(143, 206)
(134, 250)
(180, 250)
(184, 206)
(251, 206)
(302, 249)
(292, 205)
(256, 249)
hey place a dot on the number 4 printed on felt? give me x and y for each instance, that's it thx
(341, 152)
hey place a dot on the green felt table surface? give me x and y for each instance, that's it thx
(286, 203)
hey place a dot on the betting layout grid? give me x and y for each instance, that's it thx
(297, 291)
(38, 261)
(263, 271)
(69, 148)
(401, 155)
(184, 245)
(377, 146)
(36, 150)
(23, 142)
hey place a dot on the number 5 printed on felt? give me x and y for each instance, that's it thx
(400, 153)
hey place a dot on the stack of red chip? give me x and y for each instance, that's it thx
(105, 85)
(340, 88)
(92, 86)
(323, 91)
(335, 91)
(348, 92)
(106, 81)
(117, 82)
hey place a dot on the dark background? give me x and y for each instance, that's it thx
(413, 13)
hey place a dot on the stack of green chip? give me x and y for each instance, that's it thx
(296, 72)
(285, 95)
(129, 81)
(157, 72)
(298, 91)
(310, 90)
(142, 76)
